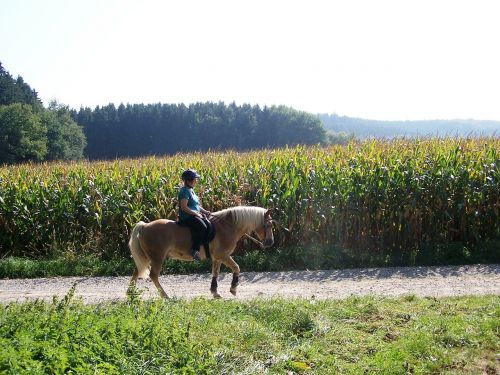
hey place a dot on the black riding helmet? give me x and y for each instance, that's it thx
(190, 174)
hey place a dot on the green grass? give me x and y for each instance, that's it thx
(278, 259)
(350, 336)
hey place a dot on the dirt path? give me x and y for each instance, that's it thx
(421, 281)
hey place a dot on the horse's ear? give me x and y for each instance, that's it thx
(268, 212)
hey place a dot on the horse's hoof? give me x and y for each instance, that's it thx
(233, 291)
(216, 295)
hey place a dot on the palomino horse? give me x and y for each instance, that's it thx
(153, 242)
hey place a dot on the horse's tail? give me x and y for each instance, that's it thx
(141, 260)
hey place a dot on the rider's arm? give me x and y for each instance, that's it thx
(186, 209)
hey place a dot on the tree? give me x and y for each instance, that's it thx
(7, 87)
(23, 137)
(17, 91)
(28, 131)
(65, 139)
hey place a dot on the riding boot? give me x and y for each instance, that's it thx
(195, 251)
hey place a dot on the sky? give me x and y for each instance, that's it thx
(384, 59)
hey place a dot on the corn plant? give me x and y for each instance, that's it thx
(372, 196)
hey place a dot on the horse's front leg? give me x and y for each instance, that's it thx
(229, 261)
(215, 275)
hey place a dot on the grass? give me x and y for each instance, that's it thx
(350, 336)
(278, 259)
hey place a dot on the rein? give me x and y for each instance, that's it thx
(278, 224)
(261, 245)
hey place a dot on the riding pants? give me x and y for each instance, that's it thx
(198, 228)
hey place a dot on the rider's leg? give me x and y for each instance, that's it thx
(208, 225)
(198, 229)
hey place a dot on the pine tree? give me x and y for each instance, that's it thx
(17, 91)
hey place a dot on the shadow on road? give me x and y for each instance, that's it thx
(372, 273)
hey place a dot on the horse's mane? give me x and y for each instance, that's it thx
(243, 216)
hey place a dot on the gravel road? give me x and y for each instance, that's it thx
(396, 281)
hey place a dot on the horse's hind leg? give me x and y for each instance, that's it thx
(133, 280)
(215, 275)
(154, 274)
(229, 261)
(134, 276)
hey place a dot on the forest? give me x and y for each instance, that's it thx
(135, 130)
(31, 132)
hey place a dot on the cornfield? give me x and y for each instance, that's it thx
(367, 196)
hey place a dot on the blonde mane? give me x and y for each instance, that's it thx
(244, 217)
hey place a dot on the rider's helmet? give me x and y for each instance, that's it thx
(190, 174)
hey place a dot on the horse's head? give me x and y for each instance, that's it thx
(265, 231)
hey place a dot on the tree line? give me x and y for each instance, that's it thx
(31, 132)
(137, 129)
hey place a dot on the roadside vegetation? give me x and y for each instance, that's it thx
(350, 336)
(278, 259)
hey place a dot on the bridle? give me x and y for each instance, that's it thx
(268, 223)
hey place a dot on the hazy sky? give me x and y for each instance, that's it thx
(374, 59)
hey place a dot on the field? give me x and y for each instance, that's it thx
(373, 202)
(350, 336)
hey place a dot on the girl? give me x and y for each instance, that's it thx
(190, 210)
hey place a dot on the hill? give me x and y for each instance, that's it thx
(364, 128)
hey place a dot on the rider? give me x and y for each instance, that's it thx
(190, 210)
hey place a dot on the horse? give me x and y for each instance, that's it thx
(151, 243)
